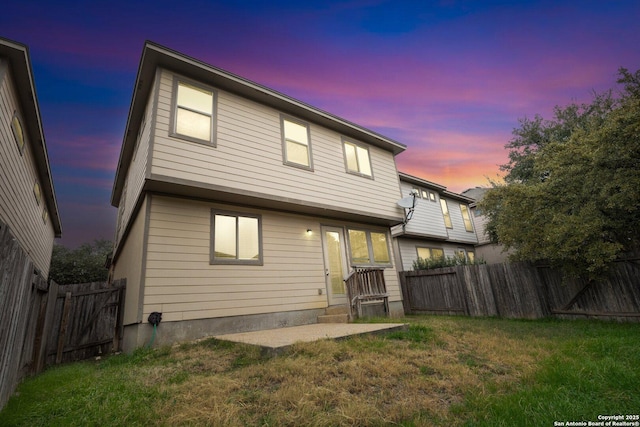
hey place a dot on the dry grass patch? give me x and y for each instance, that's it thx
(399, 378)
(442, 371)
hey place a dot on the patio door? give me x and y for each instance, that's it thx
(335, 263)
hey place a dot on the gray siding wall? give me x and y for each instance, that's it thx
(480, 224)
(428, 220)
(18, 174)
(182, 284)
(248, 156)
(458, 232)
(409, 253)
(427, 217)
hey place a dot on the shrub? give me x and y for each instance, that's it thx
(440, 262)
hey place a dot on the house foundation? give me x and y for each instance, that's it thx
(168, 333)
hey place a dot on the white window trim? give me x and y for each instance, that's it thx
(346, 163)
(285, 158)
(174, 116)
(447, 214)
(464, 221)
(371, 262)
(430, 251)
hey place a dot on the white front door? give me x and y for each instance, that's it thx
(335, 263)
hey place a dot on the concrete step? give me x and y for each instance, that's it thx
(334, 318)
(336, 309)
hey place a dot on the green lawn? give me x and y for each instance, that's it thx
(442, 371)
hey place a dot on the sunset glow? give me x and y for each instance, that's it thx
(448, 79)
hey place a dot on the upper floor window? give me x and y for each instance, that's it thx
(296, 145)
(466, 218)
(37, 192)
(18, 132)
(193, 113)
(357, 159)
(445, 213)
(427, 195)
(236, 238)
(369, 248)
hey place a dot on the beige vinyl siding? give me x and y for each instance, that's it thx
(18, 174)
(137, 171)
(427, 217)
(409, 254)
(129, 265)
(458, 233)
(249, 156)
(182, 284)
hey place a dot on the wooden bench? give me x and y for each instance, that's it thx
(366, 284)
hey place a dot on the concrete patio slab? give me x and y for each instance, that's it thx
(275, 341)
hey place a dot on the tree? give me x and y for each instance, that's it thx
(572, 186)
(82, 265)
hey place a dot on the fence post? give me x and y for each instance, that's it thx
(406, 304)
(45, 324)
(119, 331)
(63, 326)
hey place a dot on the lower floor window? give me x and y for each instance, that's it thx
(471, 256)
(369, 247)
(430, 253)
(236, 238)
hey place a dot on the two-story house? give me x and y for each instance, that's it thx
(240, 208)
(27, 198)
(439, 225)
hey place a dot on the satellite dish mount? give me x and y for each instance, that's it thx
(409, 205)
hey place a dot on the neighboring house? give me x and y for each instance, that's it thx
(490, 252)
(240, 208)
(27, 197)
(440, 225)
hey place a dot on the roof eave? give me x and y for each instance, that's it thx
(420, 181)
(155, 56)
(19, 60)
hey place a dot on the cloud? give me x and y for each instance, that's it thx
(456, 160)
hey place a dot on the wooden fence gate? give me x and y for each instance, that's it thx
(87, 321)
(45, 323)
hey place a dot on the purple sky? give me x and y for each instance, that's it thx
(449, 79)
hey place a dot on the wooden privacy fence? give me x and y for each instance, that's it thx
(22, 291)
(522, 290)
(45, 323)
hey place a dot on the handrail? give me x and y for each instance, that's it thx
(366, 284)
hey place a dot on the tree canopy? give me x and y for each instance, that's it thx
(81, 265)
(572, 185)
